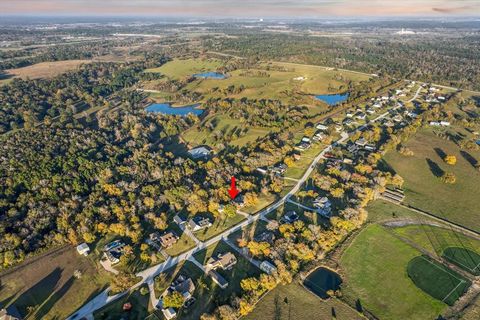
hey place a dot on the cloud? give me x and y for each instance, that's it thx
(243, 8)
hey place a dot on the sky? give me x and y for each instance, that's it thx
(243, 8)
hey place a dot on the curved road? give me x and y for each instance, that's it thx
(148, 275)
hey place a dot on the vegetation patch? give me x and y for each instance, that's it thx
(424, 187)
(375, 277)
(293, 301)
(437, 280)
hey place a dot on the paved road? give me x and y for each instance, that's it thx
(148, 275)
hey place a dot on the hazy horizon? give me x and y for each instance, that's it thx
(244, 9)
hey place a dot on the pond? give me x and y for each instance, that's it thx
(332, 99)
(321, 280)
(210, 75)
(166, 108)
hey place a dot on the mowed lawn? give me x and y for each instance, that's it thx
(292, 301)
(456, 202)
(49, 286)
(218, 226)
(375, 271)
(199, 135)
(178, 69)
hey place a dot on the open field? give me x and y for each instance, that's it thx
(292, 301)
(113, 311)
(178, 69)
(218, 226)
(46, 69)
(294, 84)
(48, 284)
(374, 268)
(437, 280)
(381, 210)
(425, 190)
(199, 135)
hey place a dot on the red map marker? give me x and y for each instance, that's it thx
(233, 190)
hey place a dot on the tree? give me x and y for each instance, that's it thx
(449, 178)
(122, 282)
(259, 248)
(450, 159)
(337, 192)
(173, 300)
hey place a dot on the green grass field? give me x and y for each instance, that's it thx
(464, 258)
(113, 311)
(437, 280)
(374, 269)
(199, 135)
(435, 239)
(293, 301)
(178, 69)
(381, 210)
(218, 226)
(456, 202)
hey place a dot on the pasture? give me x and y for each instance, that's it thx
(46, 288)
(45, 69)
(423, 187)
(178, 69)
(293, 301)
(374, 272)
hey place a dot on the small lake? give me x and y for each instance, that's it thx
(166, 108)
(321, 280)
(332, 99)
(210, 75)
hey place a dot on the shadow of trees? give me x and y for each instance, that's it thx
(435, 168)
(440, 153)
(469, 158)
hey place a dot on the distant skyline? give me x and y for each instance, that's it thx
(243, 8)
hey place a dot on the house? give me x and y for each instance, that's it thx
(397, 118)
(218, 279)
(279, 169)
(267, 267)
(444, 123)
(168, 239)
(290, 217)
(353, 148)
(224, 261)
(169, 313)
(179, 220)
(239, 200)
(113, 251)
(10, 313)
(199, 152)
(199, 223)
(377, 106)
(303, 146)
(361, 142)
(371, 111)
(113, 245)
(306, 139)
(348, 122)
(323, 205)
(265, 236)
(319, 136)
(349, 114)
(434, 123)
(360, 116)
(83, 249)
(322, 127)
(369, 147)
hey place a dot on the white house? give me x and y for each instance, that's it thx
(169, 313)
(267, 267)
(322, 127)
(199, 152)
(83, 249)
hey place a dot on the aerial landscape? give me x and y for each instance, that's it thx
(257, 160)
